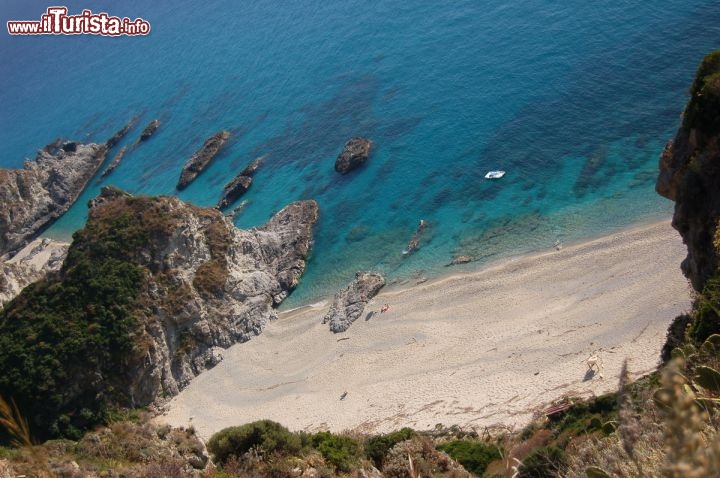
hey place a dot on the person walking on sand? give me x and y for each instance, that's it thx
(384, 308)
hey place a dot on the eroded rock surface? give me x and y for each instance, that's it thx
(350, 302)
(35, 196)
(354, 154)
(201, 159)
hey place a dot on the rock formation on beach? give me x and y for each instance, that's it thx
(162, 287)
(149, 130)
(240, 184)
(35, 196)
(690, 174)
(31, 264)
(354, 154)
(201, 159)
(349, 303)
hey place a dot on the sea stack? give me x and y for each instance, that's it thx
(201, 159)
(354, 154)
(240, 184)
(149, 130)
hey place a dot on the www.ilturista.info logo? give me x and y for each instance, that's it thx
(57, 22)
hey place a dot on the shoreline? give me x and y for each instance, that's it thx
(491, 346)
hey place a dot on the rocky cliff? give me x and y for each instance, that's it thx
(33, 197)
(31, 264)
(690, 174)
(150, 293)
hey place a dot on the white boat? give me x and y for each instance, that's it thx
(494, 174)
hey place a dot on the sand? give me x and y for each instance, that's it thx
(491, 347)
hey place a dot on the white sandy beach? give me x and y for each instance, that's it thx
(489, 347)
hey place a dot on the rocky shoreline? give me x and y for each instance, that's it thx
(38, 194)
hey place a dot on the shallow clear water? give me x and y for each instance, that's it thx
(574, 101)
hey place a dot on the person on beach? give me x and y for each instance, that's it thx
(384, 308)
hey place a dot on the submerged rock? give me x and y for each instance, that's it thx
(240, 184)
(349, 303)
(354, 154)
(201, 159)
(460, 260)
(35, 196)
(149, 130)
(121, 133)
(115, 162)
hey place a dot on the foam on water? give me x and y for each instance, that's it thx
(574, 101)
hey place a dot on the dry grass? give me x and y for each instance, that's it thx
(674, 436)
(14, 424)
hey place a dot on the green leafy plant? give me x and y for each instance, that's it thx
(473, 455)
(264, 435)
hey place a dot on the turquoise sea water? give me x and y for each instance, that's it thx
(575, 100)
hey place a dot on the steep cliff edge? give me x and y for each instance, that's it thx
(150, 292)
(32, 263)
(33, 197)
(690, 174)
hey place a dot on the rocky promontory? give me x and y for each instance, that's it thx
(33, 197)
(354, 154)
(201, 159)
(349, 303)
(690, 174)
(151, 292)
(240, 184)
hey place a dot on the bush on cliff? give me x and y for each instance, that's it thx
(64, 340)
(376, 447)
(471, 454)
(266, 436)
(702, 109)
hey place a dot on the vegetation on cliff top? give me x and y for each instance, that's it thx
(702, 109)
(65, 342)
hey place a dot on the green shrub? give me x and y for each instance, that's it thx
(475, 456)
(266, 435)
(342, 452)
(706, 317)
(377, 446)
(543, 462)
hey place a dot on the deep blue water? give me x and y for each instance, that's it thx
(574, 101)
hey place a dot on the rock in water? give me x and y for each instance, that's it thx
(202, 158)
(35, 196)
(350, 302)
(460, 260)
(239, 186)
(234, 189)
(115, 162)
(353, 155)
(149, 130)
(121, 133)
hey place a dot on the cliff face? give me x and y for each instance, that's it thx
(31, 264)
(151, 291)
(690, 174)
(33, 197)
(208, 284)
